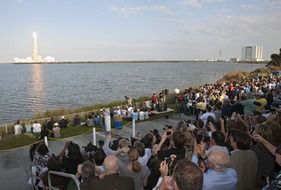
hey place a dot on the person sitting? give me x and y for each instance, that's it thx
(56, 130)
(73, 158)
(219, 176)
(112, 179)
(99, 157)
(63, 122)
(50, 124)
(88, 172)
(76, 121)
(90, 121)
(18, 128)
(28, 127)
(41, 155)
(56, 181)
(36, 127)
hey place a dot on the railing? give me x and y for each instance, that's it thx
(66, 175)
(33, 176)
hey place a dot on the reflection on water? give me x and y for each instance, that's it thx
(36, 92)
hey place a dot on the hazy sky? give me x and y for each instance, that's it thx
(138, 29)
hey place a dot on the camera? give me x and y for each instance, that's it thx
(168, 160)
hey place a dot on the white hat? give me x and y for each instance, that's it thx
(62, 117)
(56, 124)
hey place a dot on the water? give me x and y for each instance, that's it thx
(28, 89)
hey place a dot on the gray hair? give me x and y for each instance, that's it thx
(219, 157)
(88, 170)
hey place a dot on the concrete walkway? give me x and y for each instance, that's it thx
(14, 164)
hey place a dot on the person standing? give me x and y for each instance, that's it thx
(219, 176)
(242, 159)
(154, 101)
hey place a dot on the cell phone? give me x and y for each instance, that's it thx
(169, 133)
(168, 160)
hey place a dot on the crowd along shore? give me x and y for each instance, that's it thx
(7, 130)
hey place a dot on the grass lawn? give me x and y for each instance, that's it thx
(74, 130)
(12, 141)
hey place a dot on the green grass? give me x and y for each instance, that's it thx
(73, 131)
(9, 140)
(12, 141)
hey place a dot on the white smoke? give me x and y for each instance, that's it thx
(35, 55)
(29, 59)
(23, 60)
(49, 59)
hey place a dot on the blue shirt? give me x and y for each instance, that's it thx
(225, 180)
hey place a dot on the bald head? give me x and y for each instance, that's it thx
(111, 164)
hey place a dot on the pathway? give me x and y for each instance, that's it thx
(14, 164)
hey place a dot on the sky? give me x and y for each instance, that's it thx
(100, 30)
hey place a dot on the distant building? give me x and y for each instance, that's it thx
(252, 53)
(234, 60)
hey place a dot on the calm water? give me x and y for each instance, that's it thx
(29, 89)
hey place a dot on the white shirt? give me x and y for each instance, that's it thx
(18, 129)
(118, 112)
(56, 130)
(205, 116)
(143, 160)
(36, 128)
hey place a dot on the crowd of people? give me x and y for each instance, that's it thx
(50, 128)
(233, 142)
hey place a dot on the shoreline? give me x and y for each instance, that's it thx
(41, 117)
(141, 61)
